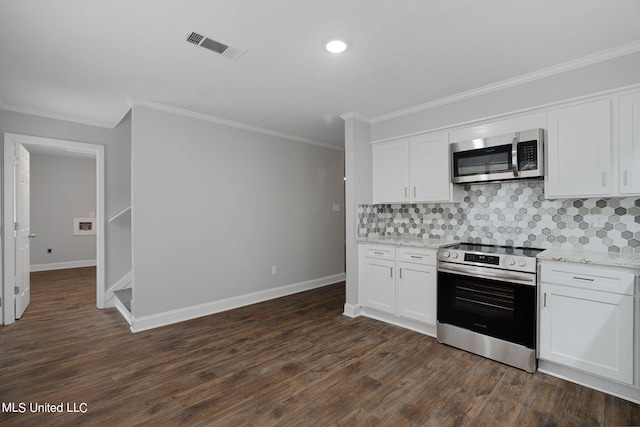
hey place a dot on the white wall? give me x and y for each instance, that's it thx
(215, 207)
(117, 143)
(62, 189)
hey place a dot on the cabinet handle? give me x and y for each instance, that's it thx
(625, 178)
(414, 191)
(582, 278)
(604, 179)
(391, 271)
(405, 191)
(401, 273)
(379, 253)
(416, 257)
(545, 299)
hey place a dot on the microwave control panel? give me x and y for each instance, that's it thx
(528, 155)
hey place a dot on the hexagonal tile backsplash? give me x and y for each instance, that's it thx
(513, 213)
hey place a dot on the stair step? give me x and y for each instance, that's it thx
(125, 296)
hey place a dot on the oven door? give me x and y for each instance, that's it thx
(500, 309)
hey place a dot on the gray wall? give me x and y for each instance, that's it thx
(612, 74)
(214, 207)
(117, 143)
(61, 188)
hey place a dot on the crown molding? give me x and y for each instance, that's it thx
(584, 61)
(356, 116)
(218, 120)
(33, 112)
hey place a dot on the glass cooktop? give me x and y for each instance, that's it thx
(495, 249)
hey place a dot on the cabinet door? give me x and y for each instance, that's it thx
(417, 292)
(391, 172)
(579, 151)
(379, 284)
(429, 166)
(588, 330)
(629, 144)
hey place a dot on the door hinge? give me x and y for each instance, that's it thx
(15, 225)
(16, 290)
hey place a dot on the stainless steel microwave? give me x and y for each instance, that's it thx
(516, 155)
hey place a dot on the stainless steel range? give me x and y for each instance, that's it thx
(487, 302)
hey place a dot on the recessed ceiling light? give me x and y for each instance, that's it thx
(336, 46)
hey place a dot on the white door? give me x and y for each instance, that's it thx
(22, 286)
(391, 172)
(629, 144)
(417, 292)
(430, 176)
(579, 151)
(380, 290)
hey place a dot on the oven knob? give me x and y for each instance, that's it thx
(511, 261)
(446, 254)
(522, 263)
(454, 255)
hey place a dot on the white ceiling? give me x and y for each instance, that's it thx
(83, 60)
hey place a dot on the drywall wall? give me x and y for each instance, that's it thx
(62, 188)
(607, 75)
(117, 143)
(215, 207)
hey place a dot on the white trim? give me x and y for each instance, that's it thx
(206, 309)
(402, 322)
(613, 388)
(595, 58)
(97, 152)
(123, 310)
(213, 119)
(351, 310)
(63, 265)
(34, 112)
(355, 115)
(510, 114)
(120, 284)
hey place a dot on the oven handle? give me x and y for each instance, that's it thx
(505, 276)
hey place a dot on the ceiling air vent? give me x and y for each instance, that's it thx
(230, 52)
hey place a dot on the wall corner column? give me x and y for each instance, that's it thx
(358, 191)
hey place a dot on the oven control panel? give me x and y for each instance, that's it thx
(505, 262)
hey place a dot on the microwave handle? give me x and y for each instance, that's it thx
(514, 154)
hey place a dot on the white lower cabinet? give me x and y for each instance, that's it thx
(399, 281)
(587, 319)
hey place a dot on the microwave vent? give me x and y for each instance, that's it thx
(227, 51)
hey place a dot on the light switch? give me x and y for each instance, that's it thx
(336, 208)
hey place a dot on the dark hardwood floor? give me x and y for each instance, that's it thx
(294, 361)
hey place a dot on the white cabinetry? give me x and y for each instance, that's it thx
(629, 142)
(413, 170)
(391, 172)
(579, 151)
(400, 282)
(587, 319)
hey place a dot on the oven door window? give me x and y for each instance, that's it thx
(494, 308)
(483, 161)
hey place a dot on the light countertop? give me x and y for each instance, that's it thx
(408, 241)
(612, 259)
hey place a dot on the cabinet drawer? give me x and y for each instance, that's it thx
(417, 256)
(588, 277)
(380, 252)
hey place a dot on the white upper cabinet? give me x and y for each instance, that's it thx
(415, 170)
(391, 172)
(579, 151)
(629, 143)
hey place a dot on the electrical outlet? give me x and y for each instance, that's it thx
(274, 269)
(336, 208)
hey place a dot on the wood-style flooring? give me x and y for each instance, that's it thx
(294, 361)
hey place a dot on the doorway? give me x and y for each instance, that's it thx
(14, 289)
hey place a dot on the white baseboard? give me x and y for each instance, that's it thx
(351, 310)
(63, 265)
(174, 316)
(125, 282)
(123, 311)
(402, 322)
